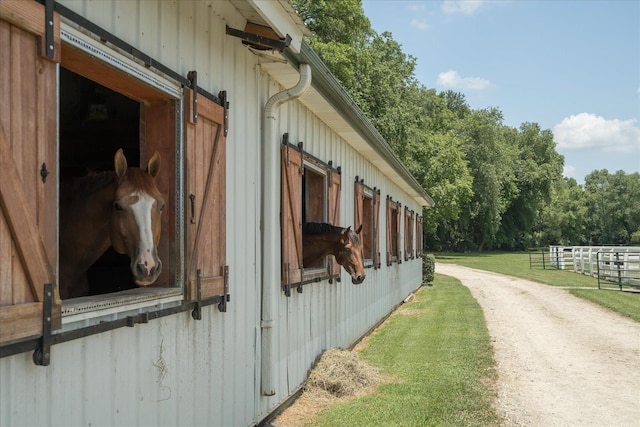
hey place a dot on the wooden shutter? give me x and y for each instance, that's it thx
(358, 191)
(334, 214)
(419, 236)
(205, 193)
(390, 212)
(398, 231)
(28, 222)
(376, 229)
(291, 214)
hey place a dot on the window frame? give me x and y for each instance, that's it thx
(409, 216)
(394, 235)
(161, 103)
(419, 236)
(365, 195)
(119, 309)
(295, 162)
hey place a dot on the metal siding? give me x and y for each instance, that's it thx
(177, 371)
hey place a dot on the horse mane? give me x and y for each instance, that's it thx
(320, 228)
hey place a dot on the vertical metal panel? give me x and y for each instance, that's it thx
(176, 371)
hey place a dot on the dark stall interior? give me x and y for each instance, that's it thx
(94, 123)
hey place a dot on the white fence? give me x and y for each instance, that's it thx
(620, 264)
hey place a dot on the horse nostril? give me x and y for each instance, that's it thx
(358, 279)
(141, 270)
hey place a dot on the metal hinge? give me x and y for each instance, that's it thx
(42, 354)
(193, 80)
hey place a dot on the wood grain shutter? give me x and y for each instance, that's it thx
(28, 222)
(358, 192)
(419, 237)
(291, 214)
(376, 229)
(398, 213)
(205, 192)
(334, 214)
(390, 212)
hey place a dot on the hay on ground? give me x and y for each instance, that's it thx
(339, 375)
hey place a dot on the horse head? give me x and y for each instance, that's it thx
(350, 254)
(136, 217)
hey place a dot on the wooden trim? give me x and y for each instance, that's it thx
(100, 72)
(20, 321)
(22, 223)
(376, 229)
(291, 221)
(30, 16)
(333, 192)
(205, 149)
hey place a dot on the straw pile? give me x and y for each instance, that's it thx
(340, 373)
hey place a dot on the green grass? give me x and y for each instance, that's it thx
(517, 264)
(625, 303)
(439, 349)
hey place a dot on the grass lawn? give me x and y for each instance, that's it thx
(439, 349)
(517, 264)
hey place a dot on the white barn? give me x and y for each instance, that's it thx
(256, 136)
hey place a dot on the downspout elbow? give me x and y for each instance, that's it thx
(287, 95)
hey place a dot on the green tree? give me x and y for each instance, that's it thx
(564, 220)
(537, 166)
(490, 161)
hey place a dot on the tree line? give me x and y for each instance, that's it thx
(494, 186)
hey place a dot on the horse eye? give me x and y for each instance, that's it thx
(161, 207)
(117, 206)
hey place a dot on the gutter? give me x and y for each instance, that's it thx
(270, 227)
(326, 84)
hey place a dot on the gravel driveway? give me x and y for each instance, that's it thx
(561, 361)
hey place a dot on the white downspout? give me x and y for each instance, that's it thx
(270, 206)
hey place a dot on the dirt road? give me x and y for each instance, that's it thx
(561, 361)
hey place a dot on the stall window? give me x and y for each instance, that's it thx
(419, 236)
(408, 233)
(394, 219)
(367, 213)
(310, 193)
(104, 109)
(106, 101)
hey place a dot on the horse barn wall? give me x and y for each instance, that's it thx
(177, 371)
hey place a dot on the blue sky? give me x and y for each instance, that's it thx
(571, 66)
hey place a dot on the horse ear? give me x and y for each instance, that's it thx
(120, 163)
(344, 237)
(153, 167)
(359, 229)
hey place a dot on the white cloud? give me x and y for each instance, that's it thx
(420, 24)
(586, 130)
(465, 7)
(569, 171)
(452, 80)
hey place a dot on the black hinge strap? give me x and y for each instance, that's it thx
(42, 354)
(197, 310)
(225, 104)
(193, 80)
(222, 305)
(48, 28)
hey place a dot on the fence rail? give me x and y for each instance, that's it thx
(612, 265)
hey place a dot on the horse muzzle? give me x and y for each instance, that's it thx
(145, 273)
(357, 279)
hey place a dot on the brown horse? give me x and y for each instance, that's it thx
(121, 209)
(320, 240)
